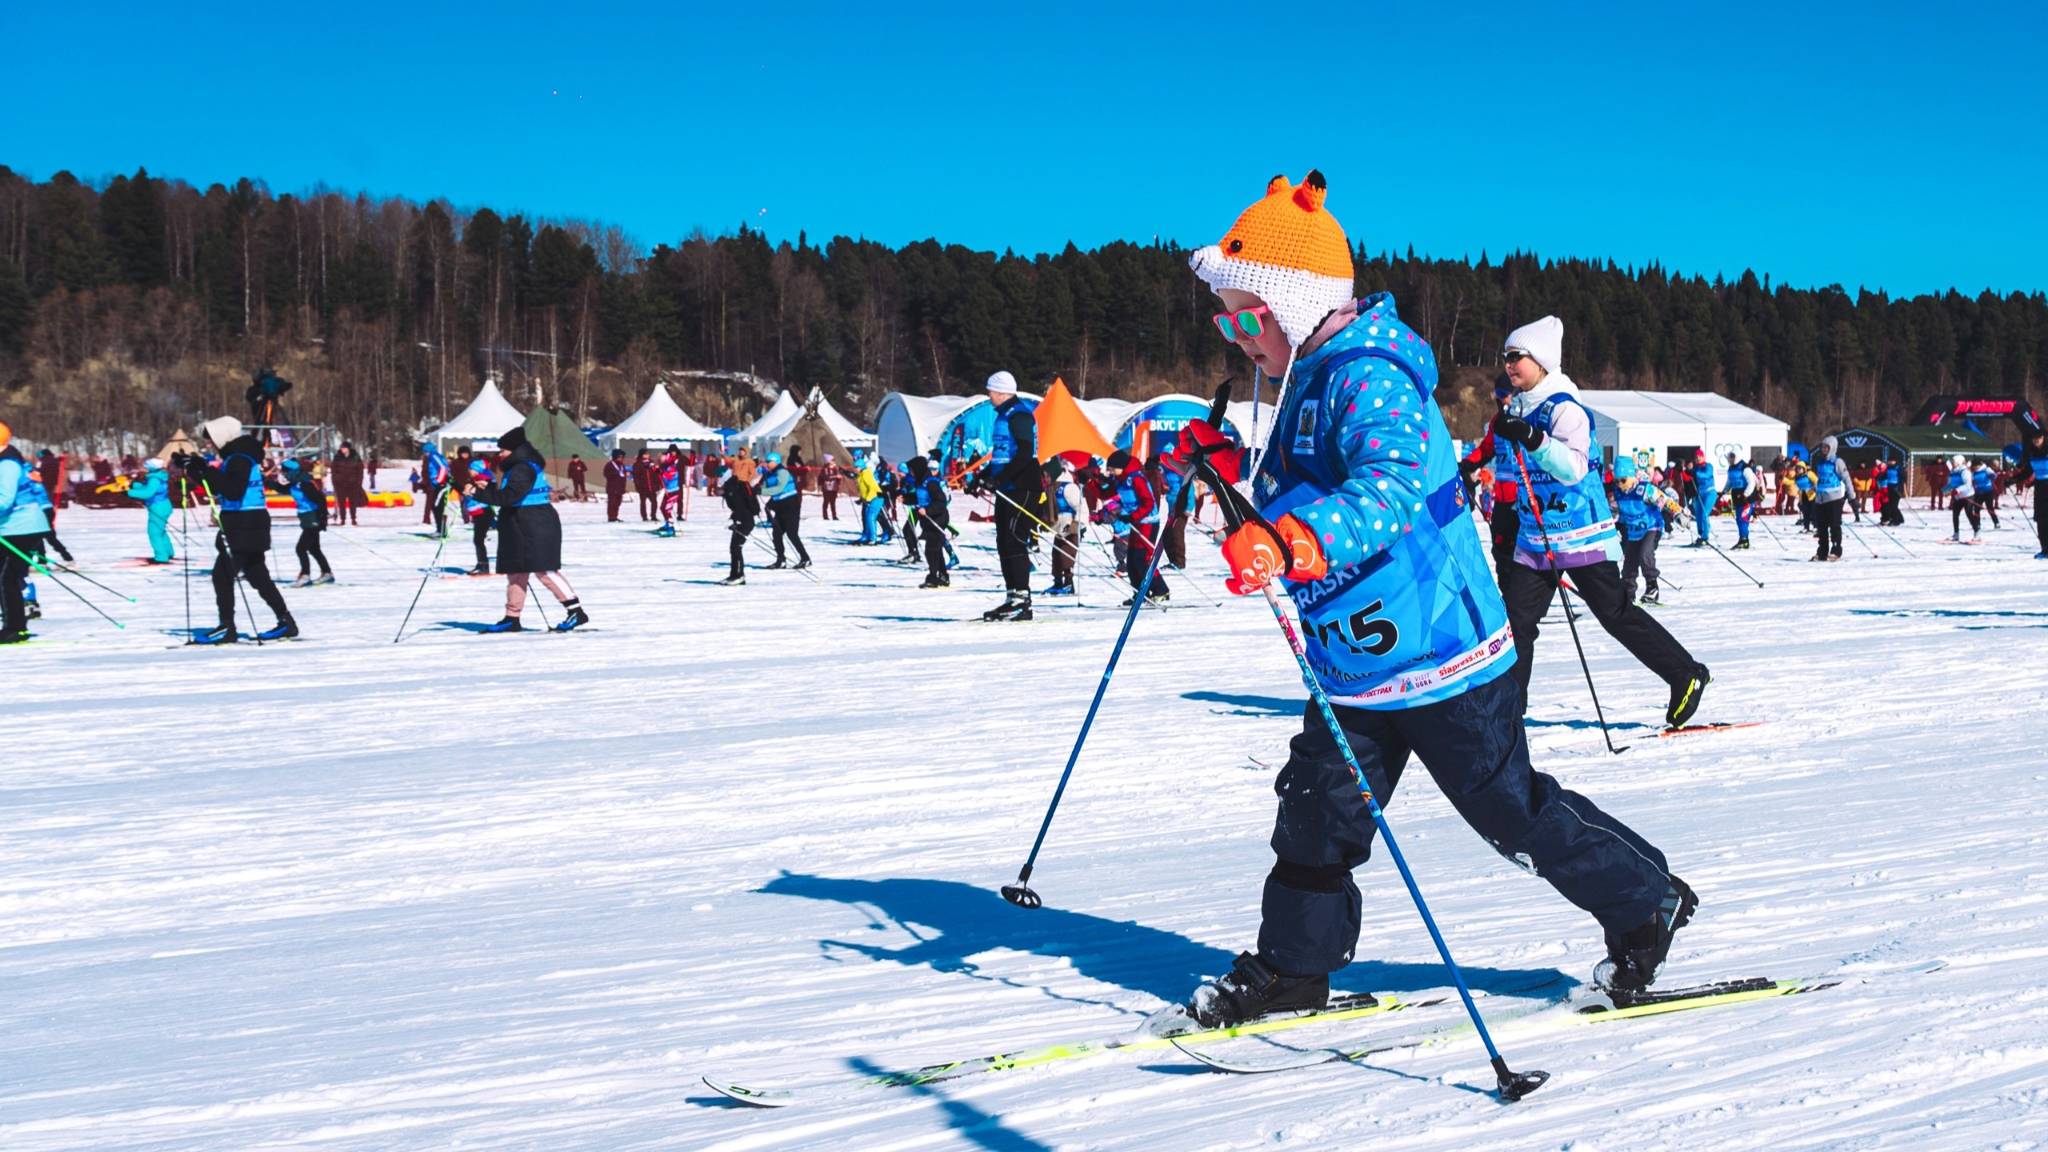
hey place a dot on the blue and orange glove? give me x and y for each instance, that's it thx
(1256, 554)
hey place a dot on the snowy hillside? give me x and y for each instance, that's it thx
(522, 892)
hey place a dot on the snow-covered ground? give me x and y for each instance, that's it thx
(523, 891)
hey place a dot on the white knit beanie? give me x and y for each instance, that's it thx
(1002, 382)
(222, 429)
(1542, 339)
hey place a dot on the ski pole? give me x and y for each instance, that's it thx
(805, 572)
(1020, 893)
(1730, 559)
(1570, 619)
(185, 530)
(1103, 566)
(68, 570)
(1894, 539)
(1861, 540)
(225, 556)
(432, 566)
(44, 569)
(1772, 533)
(1511, 1085)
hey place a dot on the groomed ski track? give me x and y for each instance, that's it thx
(511, 892)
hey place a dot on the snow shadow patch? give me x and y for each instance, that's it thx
(1243, 705)
(1618, 725)
(982, 1129)
(950, 922)
(1948, 614)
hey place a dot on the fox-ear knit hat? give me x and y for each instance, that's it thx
(1287, 250)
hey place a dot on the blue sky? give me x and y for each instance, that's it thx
(1893, 146)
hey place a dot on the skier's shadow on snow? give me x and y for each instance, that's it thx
(950, 923)
(1617, 725)
(1248, 705)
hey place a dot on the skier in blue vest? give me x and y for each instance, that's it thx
(23, 524)
(2035, 456)
(1962, 500)
(1706, 493)
(479, 515)
(927, 499)
(1639, 509)
(1744, 490)
(33, 491)
(1017, 481)
(1894, 514)
(1547, 435)
(529, 534)
(1403, 625)
(241, 509)
(1069, 507)
(785, 504)
(1831, 487)
(434, 476)
(1142, 508)
(1984, 489)
(311, 505)
(154, 493)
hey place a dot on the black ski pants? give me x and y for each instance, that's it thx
(1138, 560)
(244, 560)
(741, 529)
(1640, 555)
(783, 515)
(1013, 543)
(308, 546)
(14, 571)
(1894, 515)
(1530, 591)
(1473, 747)
(934, 551)
(2041, 513)
(438, 507)
(1827, 527)
(1959, 506)
(478, 529)
(1504, 524)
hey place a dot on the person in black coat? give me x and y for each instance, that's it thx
(236, 487)
(529, 533)
(744, 506)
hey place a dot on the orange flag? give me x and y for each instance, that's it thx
(1063, 427)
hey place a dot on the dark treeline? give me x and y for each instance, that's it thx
(141, 303)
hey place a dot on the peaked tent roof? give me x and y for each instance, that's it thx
(488, 417)
(555, 435)
(779, 418)
(658, 421)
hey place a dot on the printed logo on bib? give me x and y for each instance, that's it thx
(1305, 431)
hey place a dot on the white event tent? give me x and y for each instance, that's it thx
(814, 424)
(658, 421)
(488, 417)
(1660, 426)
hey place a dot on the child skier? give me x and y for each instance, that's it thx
(928, 505)
(1744, 490)
(1400, 621)
(478, 515)
(23, 524)
(1640, 507)
(785, 504)
(741, 503)
(154, 493)
(1962, 500)
(311, 505)
(1984, 490)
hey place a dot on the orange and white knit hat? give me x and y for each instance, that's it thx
(1289, 252)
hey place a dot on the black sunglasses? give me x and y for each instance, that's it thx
(1512, 355)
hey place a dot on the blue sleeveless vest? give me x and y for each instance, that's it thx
(1575, 517)
(1004, 447)
(251, 500)
(538, 494)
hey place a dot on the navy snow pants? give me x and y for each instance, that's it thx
(1473, 746)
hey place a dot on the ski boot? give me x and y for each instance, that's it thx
(305, 580)
(284, 629)
(14, 637)
(802, 564)
(225, 634)
(735, 578)
(1650, 597)
(508, 624)
(33, 608)
(1741, 546)
(323, 578)
(1012, 604)
(480, 570)
(1633, 957)
(665, 530)
(1685, 696)
(1251, 990)
(576, 618)
(779, 563)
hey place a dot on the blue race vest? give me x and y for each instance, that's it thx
(250, 500)
(1831, 479)
(301, 502)
(1638, 513)
(778, 484)
(1738, 478)
(2040, 464)
(1127, 495)
(1574, 517)
(924, 495)
(1060, 501)
(1984, 481)
(1005, 446)
(1422, 620)
(1958, 481)
(538, 494)
(1891, 476)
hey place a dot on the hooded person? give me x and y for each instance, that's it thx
(1362, 515)
(1831, 486)
(1962, 500)
(1545, 437)
(236, 487)
(23, 523)
(529, 534)
(828, 488)
(310, 504)
(153, 492)
(926, 496)
(1069, 510)
(867, 492)
(435, 473)
(479, 515)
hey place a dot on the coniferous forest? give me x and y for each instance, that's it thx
(142, 303)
